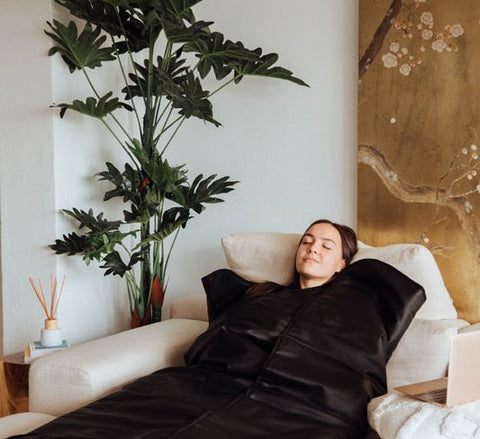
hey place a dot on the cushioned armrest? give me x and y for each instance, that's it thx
(190, 307)
(470, 328)
(21, 423)
(66, 380)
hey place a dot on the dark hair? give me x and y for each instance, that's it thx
(349, 248)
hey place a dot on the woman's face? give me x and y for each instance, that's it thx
(319, 255)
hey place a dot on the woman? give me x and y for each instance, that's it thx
(324, 250)
(300, 362)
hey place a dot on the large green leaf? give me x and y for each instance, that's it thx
(192, 100)
(79, 51)
(205, 190)
(135, 186)
(114, 264)
(180, 9)
(133, 22)
(166, 75)
(141, 212)
(218, 55)
(164, 177)
(165, 229)
(265, 67)
(126, 185)
(178, 84)
(71, 244)
(178, 33)
(100, 239)
(113, 175)
(93, 107)
(224, 56)
(92, 222)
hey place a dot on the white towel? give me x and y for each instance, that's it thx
(397, 416)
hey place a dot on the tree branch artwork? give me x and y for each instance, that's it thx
(379, 37)
(414, 33)
(413, 27)
(450, 196)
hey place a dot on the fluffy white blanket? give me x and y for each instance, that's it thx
(395, 416)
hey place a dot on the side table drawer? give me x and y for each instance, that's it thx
(13, 384)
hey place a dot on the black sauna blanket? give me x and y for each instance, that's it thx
(290, 364)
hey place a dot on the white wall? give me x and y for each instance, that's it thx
(292, 148)
(27, 184)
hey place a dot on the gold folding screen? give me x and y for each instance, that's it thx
(418, 134)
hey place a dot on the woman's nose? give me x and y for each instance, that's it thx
(313, 249)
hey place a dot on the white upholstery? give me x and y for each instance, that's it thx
(190, 307)
(66, 380)
(259, 257)
(21, 423)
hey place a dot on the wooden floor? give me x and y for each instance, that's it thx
(13, 385)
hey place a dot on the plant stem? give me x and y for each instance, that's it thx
(222, 86)
(164, 268)
(127, 150)
(145, 279)
(125, 80)
(173, 134)
(114, 118)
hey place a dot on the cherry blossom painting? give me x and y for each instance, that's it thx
(418, 134)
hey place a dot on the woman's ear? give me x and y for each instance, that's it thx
(341, 266)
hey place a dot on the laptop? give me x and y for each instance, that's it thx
(463, 382)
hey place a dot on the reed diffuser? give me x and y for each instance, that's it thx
(51, 334)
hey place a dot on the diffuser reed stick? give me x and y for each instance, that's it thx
(50, 311)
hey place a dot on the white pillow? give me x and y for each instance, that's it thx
(260, 257)
(423, 352)
(418, 263)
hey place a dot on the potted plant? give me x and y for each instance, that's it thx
(160, 93)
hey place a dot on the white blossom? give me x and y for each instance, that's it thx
(394, 47)
(389, 60)
(427, 18)
(473, 147)
(468, 207)
(456, 30)
(439, 45)
(405, 69)
(427, 34)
